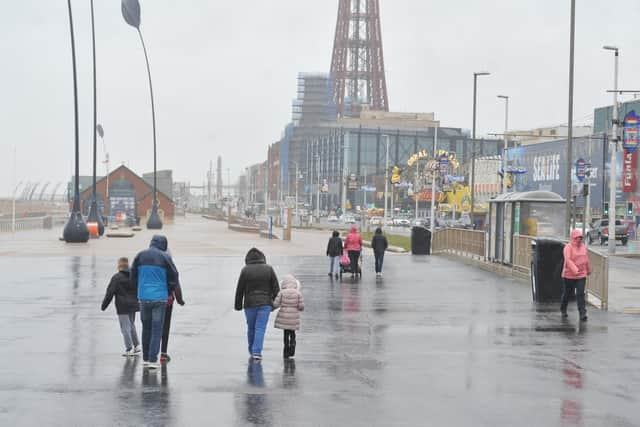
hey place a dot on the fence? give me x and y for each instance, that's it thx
(23, 224)
(471, 244)
(458, 241)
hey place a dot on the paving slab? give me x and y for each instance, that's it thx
(434, 342)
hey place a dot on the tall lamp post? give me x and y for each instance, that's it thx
(614, 152)
(569, 197)
(94, 213)
(506, 144)
(131, 14)
(100, 131)
(76, 230)
(473, 139)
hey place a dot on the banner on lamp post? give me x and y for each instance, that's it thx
(630, 136)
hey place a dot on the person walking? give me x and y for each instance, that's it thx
(175, 295)
(353, 246)
(334, 252)
(256, 290)
(379, 244)
(126, 295)
(575, 270)
(291, 303)
(156, 277)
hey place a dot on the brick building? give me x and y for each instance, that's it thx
(128, 193)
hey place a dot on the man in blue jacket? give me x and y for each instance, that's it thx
(156, 276)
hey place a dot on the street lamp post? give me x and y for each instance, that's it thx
(76, 230)
(614, 152)
(100, 131)
(131, 14)
(569, 197)
(386, 181)
(94, 213)
(473, 139)
(433, 184)
(506, 144)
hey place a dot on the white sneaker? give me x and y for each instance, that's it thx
(145, 363)
(153, 365)
(128, 353)
(137, 351)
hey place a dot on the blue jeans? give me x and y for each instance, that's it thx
(257, 319)
(379, 260)
(152, 316)
(334, 264)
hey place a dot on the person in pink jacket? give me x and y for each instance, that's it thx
(353, 246)
(290, 302)
(575, 270)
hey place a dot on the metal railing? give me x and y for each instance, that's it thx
(458, 241)
(522, 253)
(23, 224)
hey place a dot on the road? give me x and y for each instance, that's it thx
(435, 342)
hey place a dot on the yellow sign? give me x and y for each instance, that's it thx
(395, 175)
(417, 156)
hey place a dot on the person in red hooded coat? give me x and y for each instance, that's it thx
(353, 246)
(575, 270)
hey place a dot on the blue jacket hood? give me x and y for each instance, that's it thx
(159, 242)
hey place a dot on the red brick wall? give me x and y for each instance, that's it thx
(143, 191)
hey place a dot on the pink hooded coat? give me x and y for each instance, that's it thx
(353, 241)
(290, 302)
(576, 258)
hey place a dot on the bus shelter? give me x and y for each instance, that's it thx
(529, 213)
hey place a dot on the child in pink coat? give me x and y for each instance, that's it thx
(291, 303)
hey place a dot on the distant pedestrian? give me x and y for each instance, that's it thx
(156, 276)
(257, 288)
(291, 303)
(574, 272)
(126, 294)
(175, 295)
(334, 251)
(379, 245)
(353, 246)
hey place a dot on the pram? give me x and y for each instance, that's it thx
(344, 269)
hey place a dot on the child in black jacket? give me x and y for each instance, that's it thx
(126, 294)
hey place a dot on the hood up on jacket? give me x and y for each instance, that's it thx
(576, 238)
(290, 282)
(336, 233)
(354, 230)
(159, 242)
(378, 230)
(255, 256)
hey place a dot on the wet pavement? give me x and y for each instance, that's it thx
(434, 342)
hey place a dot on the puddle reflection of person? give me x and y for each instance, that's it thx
(155, 397)
(289, 379)
(257, 404)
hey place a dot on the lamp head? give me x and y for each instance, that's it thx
(481, 73)
(614, 48)
(503, 96)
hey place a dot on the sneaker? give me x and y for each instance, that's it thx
(583, 318)
(145, 363)
(137, 350)
(164, 358)
(153, 365)
(256, 357)
(128, 352)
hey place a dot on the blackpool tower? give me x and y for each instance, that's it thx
(357, 63)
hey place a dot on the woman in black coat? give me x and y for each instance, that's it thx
(379, 244)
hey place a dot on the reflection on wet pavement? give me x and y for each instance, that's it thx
(432, 340)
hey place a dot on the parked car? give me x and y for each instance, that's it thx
(332, 218)
(348, 219)
(401, 222)
(600, 231)
(421, 222)
(376, 221)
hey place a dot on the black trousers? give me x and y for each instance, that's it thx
(571, 286)
(354, 256)
(289, 343)
(165, 328)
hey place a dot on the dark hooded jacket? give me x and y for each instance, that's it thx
(379, 242)
(334, 248)
(257, 284)
(153, 272)
(125, 292)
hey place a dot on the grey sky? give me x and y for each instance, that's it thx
(224, 73)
